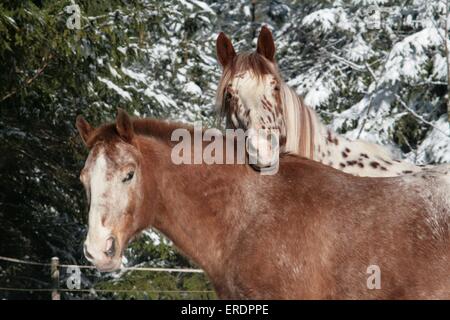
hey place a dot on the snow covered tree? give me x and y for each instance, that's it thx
(373, 69)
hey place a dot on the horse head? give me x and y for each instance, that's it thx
(113, 178)
(249, 94)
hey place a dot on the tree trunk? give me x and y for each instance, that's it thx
(253, 13)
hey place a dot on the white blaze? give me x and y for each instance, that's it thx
(252, 93)
(98, 234)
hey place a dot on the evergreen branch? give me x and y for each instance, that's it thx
(38, 73)
(418, 116)
(345, 61)
(447, 57)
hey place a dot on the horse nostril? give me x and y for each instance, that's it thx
(87, 254)
(110, 247)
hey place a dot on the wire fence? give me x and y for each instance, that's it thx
(56, 290)
(104, 290)
(180, 270)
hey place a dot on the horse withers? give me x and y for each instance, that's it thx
(308, 232)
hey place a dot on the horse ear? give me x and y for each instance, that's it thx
(124, 125)
(224, 49)
(84, 128)
(266, 45)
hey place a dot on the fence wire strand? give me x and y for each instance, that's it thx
(93, 290)
(104, 290)
(182, 270)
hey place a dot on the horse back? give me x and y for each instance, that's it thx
(318, 231)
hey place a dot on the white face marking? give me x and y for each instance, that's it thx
(263, 148)
(256, 102)
(256, 110)
(98, 186)
(110, 199)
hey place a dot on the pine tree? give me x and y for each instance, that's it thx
(374, 70)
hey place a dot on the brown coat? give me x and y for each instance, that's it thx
(308, 232)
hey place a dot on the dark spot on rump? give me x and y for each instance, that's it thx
(387, 162)
(364, 155)
(344, 154)
(351, 162)
(407, 171)
(336, 141)
(347, 150)
(383, 168)
(360, 164)
(329, 137)
(374, 164)
(342, 165)
(103, 220)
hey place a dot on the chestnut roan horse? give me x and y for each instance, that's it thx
(308, 232)
(252, 95)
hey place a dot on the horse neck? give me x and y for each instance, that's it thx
(190, 202)
(304, 130)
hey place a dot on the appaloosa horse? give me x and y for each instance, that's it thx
(252, 95)
(308, 232)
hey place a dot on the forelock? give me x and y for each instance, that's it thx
(252, 62)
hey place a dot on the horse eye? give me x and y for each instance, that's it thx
(277, 88)
(128, 177)
(228, 96)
